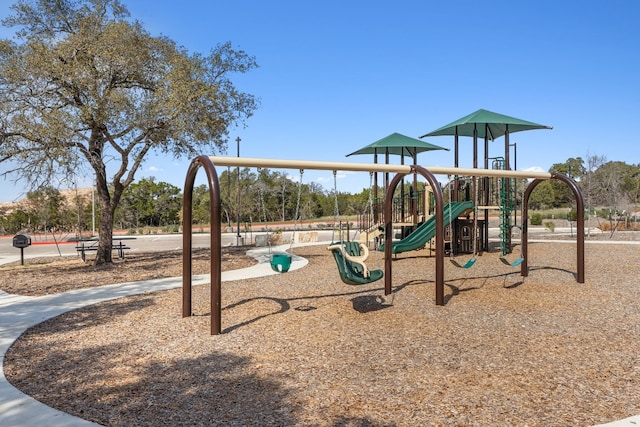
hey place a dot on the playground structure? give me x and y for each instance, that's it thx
(209, 163)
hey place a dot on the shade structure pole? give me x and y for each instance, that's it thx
(475, 145)
(507, 188)
(456, 163)
(507, 163)
(403, 213)
(485, 191)
(414, 203)
(474, 188)
(376, 214)
(386, 175)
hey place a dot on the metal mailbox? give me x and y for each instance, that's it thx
(21, 241)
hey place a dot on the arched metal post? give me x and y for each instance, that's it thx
(524, 267)
(388, 231)
(216, 247)
(524, 250)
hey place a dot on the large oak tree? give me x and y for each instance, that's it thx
(83, 87)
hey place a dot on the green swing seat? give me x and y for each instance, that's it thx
(516, 262)
(352, 273)
(280, 263)
(467, 264)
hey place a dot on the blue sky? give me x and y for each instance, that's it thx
(335, 76)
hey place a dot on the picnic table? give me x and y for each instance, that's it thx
(88, 245)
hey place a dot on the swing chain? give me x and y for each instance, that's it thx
(299, 194)
(295, 222)
(336, 209)
(371, 196)
(377, 239)
(261, 197)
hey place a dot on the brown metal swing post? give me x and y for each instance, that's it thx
(187, 250)
(388, 230)
(524, 267)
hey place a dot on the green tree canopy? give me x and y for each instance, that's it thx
(47, 206)
(573, 168)
(617, 184)
(83, 85)
(150, 203)
(543, 196)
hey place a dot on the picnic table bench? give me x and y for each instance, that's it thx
(88, 245)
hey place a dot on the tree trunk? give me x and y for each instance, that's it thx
(105, 232)
(103, 255)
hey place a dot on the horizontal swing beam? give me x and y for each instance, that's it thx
(369, 167)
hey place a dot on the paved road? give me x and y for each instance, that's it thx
(140, 244)
(147, 243)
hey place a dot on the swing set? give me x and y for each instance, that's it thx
(355, 254)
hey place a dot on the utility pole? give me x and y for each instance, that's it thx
(238, 237)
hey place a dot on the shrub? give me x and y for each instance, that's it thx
(535, 219)
(549, 225)
(275, 238)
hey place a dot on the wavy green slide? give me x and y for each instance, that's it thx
(427, 230)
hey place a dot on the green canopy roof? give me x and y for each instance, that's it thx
(397, 144)
(494, 125)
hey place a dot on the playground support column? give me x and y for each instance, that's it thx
(507, 188)
(455, 165)
(524, 267)
(388, 231)
(376, 214)
(485, 192)
(414, 202)
(215, 243)
(403, 213)
(386, 175)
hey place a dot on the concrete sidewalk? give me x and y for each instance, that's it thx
(19, 313)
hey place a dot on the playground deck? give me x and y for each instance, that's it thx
(301, 348)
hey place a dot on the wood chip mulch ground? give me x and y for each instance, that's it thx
(302, 348)
(52, 275)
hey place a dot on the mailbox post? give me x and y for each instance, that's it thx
(21, 241)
